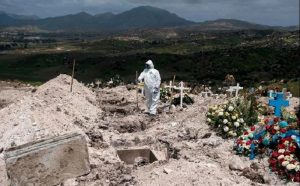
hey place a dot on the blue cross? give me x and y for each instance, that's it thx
(278, 102)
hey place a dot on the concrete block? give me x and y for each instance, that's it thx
(48, 162)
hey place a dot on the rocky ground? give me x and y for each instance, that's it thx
(191, 152)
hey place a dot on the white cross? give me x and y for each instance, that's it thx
(170, 87)
(181, 88)
(289, 95)
(236, 89)
(230, 90)
(98, 83)
(270, 93)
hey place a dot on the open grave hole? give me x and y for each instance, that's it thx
(137, 157)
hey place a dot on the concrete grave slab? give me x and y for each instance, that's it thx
(131, 156)
(48, 162)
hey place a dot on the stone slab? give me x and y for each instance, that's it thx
(48, 162)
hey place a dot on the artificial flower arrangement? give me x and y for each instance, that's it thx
(285, 160)
(277, 135)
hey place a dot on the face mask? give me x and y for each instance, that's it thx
(147, 66)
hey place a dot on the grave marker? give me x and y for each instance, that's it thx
(181, 88)
(236, 89)
(278, 102)
(271, 94)
(48, 162)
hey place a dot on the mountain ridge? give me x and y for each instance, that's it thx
(142, 17)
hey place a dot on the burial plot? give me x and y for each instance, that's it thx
(181, 88)
(133, 156)
(48, 162)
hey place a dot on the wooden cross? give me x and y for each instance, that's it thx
(236, 89)
(278, 102)
(98, 84)
(230, 90)
(181, 88)
(170, 87)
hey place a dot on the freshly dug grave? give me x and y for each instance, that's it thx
(110, 120)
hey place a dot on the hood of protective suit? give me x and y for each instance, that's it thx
(150, 63)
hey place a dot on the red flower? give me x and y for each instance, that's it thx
(283, 130)
(275, 154)
(292, 149)
(246, 133)
(286, 153)
(276, 120)
(272, 162)
(268, 127)
(281, 146)
(273, 131)
(266, 121)
(249, 142)
(253, 128)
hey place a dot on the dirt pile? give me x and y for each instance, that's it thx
(51, 110)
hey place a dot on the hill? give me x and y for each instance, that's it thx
(143, 17)
(140, 17)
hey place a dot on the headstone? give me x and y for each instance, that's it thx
(181, 88)
(278, 102)
(48, 162)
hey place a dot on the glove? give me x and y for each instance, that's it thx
(156, 90)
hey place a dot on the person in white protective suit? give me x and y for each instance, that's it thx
(152, 82)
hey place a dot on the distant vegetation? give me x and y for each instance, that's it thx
(253, 57)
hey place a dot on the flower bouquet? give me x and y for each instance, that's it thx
(285, 160)
(226, 119)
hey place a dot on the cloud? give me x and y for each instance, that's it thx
(272, 12)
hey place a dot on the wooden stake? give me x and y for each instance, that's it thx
(74, 62)
(171, 98)
(137, 91)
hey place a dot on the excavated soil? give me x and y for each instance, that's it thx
(111, 120)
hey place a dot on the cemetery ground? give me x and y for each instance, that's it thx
(187, 150)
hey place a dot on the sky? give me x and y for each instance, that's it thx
(269, 12)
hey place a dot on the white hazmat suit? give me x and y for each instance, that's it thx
(152, 82)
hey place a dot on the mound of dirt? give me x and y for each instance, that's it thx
(52, 110)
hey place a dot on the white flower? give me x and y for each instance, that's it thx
(281, 151)
(290, 166)
(241, 120)
(233, 117)
(225, 121)
(293, 137)
(208, 120)
(280, 157)
(226, 114)
(285, 163)
(287, 157)
(208, 113)
(297, 168)
(221, 114)
(226, 129)
(276, 128)
(234, 134)
(236, 124)
(230, 108)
